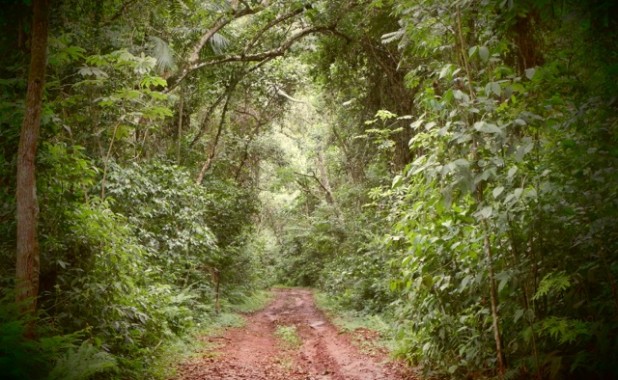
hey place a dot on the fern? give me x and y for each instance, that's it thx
(565, 330)
(552, 283)
(82, 363)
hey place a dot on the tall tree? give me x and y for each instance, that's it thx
(27, 207)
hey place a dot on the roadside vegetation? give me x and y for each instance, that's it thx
(444, 171)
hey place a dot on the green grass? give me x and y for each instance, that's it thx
(224, 320)
(350, 320)
(288, 336)
(281, 286)
(231, 316)
(172, 353)
(254, 302)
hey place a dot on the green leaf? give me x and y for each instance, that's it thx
(153, 81)
(495, 88)
(94, 71)
(484, 127)
(530, 72)
(472, 50)
(517, 192)
(485, 213)
(462, 96)
(512, 172)
(504, 278)
(396, 181)
(158, 112)
(552, 283)
(385, 115)
(484, 53)
(446, 70)
(518, 314)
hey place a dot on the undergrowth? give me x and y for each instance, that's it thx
(349, 321)
(230, 317)
(254, 302)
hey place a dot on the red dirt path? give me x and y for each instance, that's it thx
(254, 352)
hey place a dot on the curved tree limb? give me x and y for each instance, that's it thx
(213, 151)
(245, 155)
(219, 24)
(261, 57)
(194, 56)
(228, 90)
(268, 54)
(271, 24)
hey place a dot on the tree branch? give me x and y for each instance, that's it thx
(211, 156)
(219, 24)
(119, 12)
(313, 176)
(269, 54)
(246, 149)
(204, 122)
(262, 57)
(271, 24)
(290, 98)
(228, 90)
(194, 57)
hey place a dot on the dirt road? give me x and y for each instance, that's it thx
(255, 352)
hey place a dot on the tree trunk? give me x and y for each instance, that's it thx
(325, 182)
(27, 266)
(493, 294)
(179, 136)
(213, 151)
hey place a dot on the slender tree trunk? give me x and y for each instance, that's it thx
(245, 155)
(493, 293)
(213, 151)
(179, 137)
(108, 156)
(27, 265)
(325, 182)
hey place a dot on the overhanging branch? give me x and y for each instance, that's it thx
(194, 57)
(261, 57)
(269, 54)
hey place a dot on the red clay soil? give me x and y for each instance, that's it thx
(254, 352)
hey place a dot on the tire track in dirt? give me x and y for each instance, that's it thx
(253, 351)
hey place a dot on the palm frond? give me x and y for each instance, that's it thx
(218, 43)
(216, 5)
(161, 51)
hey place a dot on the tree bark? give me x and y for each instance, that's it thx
(493, 294)
(179, 136)
(245, 155)
(27, 265)
(325, 181)
(213, 151)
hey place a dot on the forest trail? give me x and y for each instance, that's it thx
(255, 352)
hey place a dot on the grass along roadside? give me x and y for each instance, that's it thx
(288, 335)
(256, 301)
(370, 333)
(196, 344)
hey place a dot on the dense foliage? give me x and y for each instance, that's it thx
(449, 165)
(493, 247)
(144, 238)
